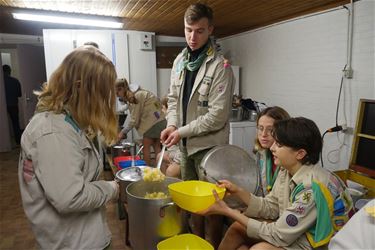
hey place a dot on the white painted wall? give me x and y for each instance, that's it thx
(164, 80)
(298, 65)
(138, 66)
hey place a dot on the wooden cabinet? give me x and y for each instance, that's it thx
(362, 162)
(363, 149)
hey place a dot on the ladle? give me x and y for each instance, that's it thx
(161, 157)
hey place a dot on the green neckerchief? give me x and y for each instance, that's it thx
(322, 231)
(270, 178)
(193, 66)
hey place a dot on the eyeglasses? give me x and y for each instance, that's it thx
(267, 131)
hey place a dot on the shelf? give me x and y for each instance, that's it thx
(371, 137)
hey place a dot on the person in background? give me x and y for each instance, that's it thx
(199, 103)
(92, 44)
(306, 206)
(267, 168)
(59, 166)
(145, 116)
(172, 158)
(12, 93)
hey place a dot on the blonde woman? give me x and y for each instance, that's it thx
(146, 116)
(62, 195)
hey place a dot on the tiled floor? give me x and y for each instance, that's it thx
(15, 232)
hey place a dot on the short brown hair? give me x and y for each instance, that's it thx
(197, 11)
(300, 133)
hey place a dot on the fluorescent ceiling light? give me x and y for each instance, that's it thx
(68, 20)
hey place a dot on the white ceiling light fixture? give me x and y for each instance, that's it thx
(68, 20)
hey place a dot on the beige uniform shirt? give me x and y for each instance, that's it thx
(210, 103)
(146, 113)
(65, 200)
(291, 220)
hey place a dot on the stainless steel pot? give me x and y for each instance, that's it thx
(122, 149)
(152, 220)
(127, 176)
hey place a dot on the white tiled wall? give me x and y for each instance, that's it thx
(298, 65)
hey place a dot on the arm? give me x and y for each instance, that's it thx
(294, 221)
(59, 170)
(172, 111)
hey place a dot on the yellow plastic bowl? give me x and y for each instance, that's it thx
(194, 196)
(184, 242)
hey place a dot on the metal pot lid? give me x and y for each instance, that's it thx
(231, 163)
(130, 173)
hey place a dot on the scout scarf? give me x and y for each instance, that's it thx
(331, 214)
(270, 178)
(193, 66)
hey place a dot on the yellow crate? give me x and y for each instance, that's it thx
(367, 182)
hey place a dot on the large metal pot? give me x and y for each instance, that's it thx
(127, 176)
(152, 220)
(122, 149)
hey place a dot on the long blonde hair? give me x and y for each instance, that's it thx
(84, 86)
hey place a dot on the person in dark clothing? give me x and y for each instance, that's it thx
(12, 93)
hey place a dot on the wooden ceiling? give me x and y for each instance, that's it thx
(164, 17)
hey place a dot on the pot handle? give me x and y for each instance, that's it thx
(162, 208)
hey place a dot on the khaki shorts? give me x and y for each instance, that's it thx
(155, 131)
(190, 169)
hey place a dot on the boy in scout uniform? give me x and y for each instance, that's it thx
(306, 206)
(199, 99)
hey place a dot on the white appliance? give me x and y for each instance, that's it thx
(243, 134)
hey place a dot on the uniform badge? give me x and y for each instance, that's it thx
(291, 220)
(300, 209)
(221, 88)
(306, 197)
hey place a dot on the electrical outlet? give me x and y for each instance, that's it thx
(348, 73)
(348, 130)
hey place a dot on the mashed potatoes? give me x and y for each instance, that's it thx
(153, 174)
(156, 195)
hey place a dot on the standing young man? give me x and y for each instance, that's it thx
(199, 100)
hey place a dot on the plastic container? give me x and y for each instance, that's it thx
(194, 196)
(117, 159)
(355, 194)
(126, 164)
(184, 242)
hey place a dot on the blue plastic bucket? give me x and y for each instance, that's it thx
(126, 164)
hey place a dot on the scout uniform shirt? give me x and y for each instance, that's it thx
(64, 200)
(145, 114)
(294, 217)
(207, 116)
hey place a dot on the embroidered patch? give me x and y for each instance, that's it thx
(332, 190)
(300, 209)
(306, 197)
(221, 88)
(203, 103)
(291, 220)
